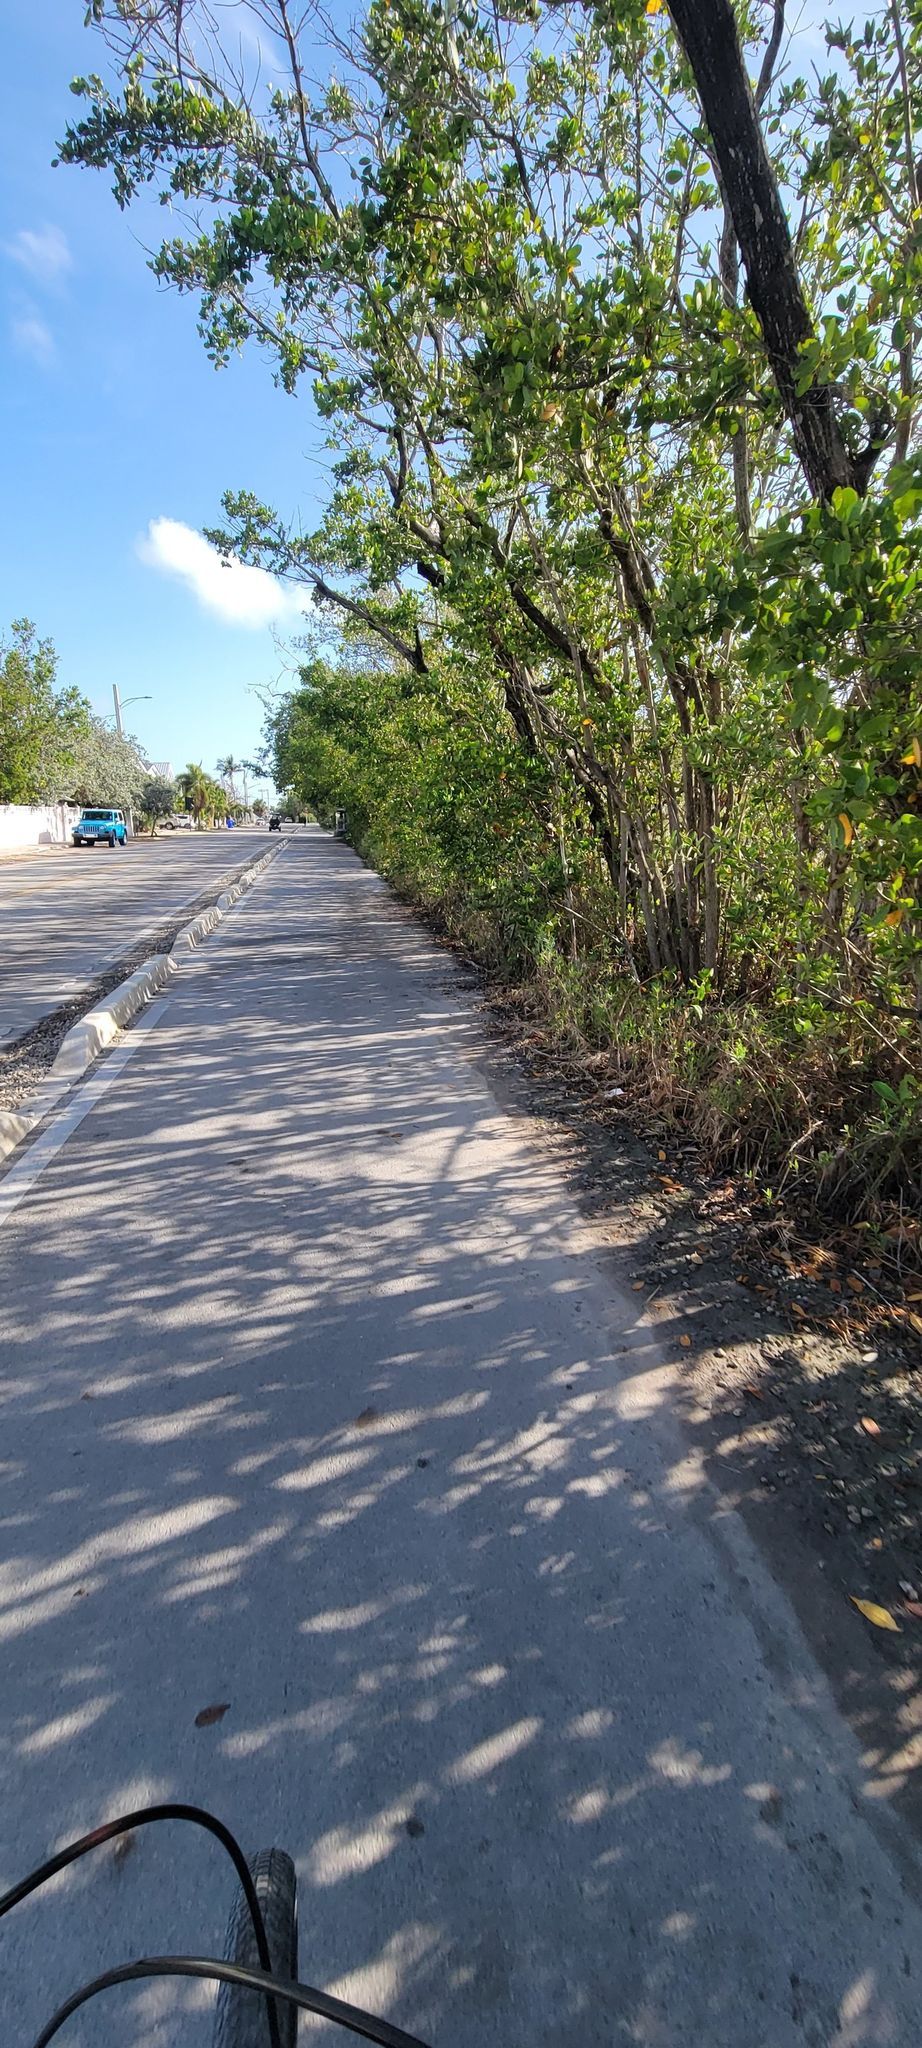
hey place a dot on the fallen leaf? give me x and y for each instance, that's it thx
(856, 1284)
(661, 1155)
(914, 1607)
(209, 1715)
(755, 1393)
(893, 918)
(685, 1343)
(638, 1286)
(872, 1427)
(879, 1615)
(877, 1543)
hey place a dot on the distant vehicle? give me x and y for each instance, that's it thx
(275, 822)
(92, 826)
(181, 821)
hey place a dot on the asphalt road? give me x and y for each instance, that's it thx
(66, 917)
(320, 1408)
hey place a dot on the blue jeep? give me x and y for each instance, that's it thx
(92, 826)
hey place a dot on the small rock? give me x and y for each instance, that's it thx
(854, 1514)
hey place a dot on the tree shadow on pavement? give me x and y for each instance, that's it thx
(318, 1406)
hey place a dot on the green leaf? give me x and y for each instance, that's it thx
(845, 503)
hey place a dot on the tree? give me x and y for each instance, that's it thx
(158, 800)
(105, 767)
(593, 502)
(710, 37)
(194, 786)
(217, 802)
(41, 726)
(254, 768)
(228, 768)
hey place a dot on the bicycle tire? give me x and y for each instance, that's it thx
(241, 2017)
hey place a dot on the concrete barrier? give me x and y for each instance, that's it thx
(88, 1037)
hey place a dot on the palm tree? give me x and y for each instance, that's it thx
(195, 786)
(216, 799)
(227, 768)
(254, 768)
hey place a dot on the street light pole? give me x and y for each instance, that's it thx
(116, 699)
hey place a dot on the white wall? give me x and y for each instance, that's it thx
(25, 825)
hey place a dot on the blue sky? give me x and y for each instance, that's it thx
(118, 436)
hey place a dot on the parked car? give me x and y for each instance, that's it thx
(92, 826)
(275, 822)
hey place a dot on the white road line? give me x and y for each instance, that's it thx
(22, 1176)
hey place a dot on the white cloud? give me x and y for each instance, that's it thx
(235, 592)
(33, 338)
(43, 252)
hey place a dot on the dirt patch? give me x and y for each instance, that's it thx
(25, 1063)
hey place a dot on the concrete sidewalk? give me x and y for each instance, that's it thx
(319, 1405)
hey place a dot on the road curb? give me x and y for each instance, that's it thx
(91, 1034)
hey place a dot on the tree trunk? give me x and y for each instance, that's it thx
(708, 33)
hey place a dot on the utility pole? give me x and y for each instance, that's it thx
(118, 710)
